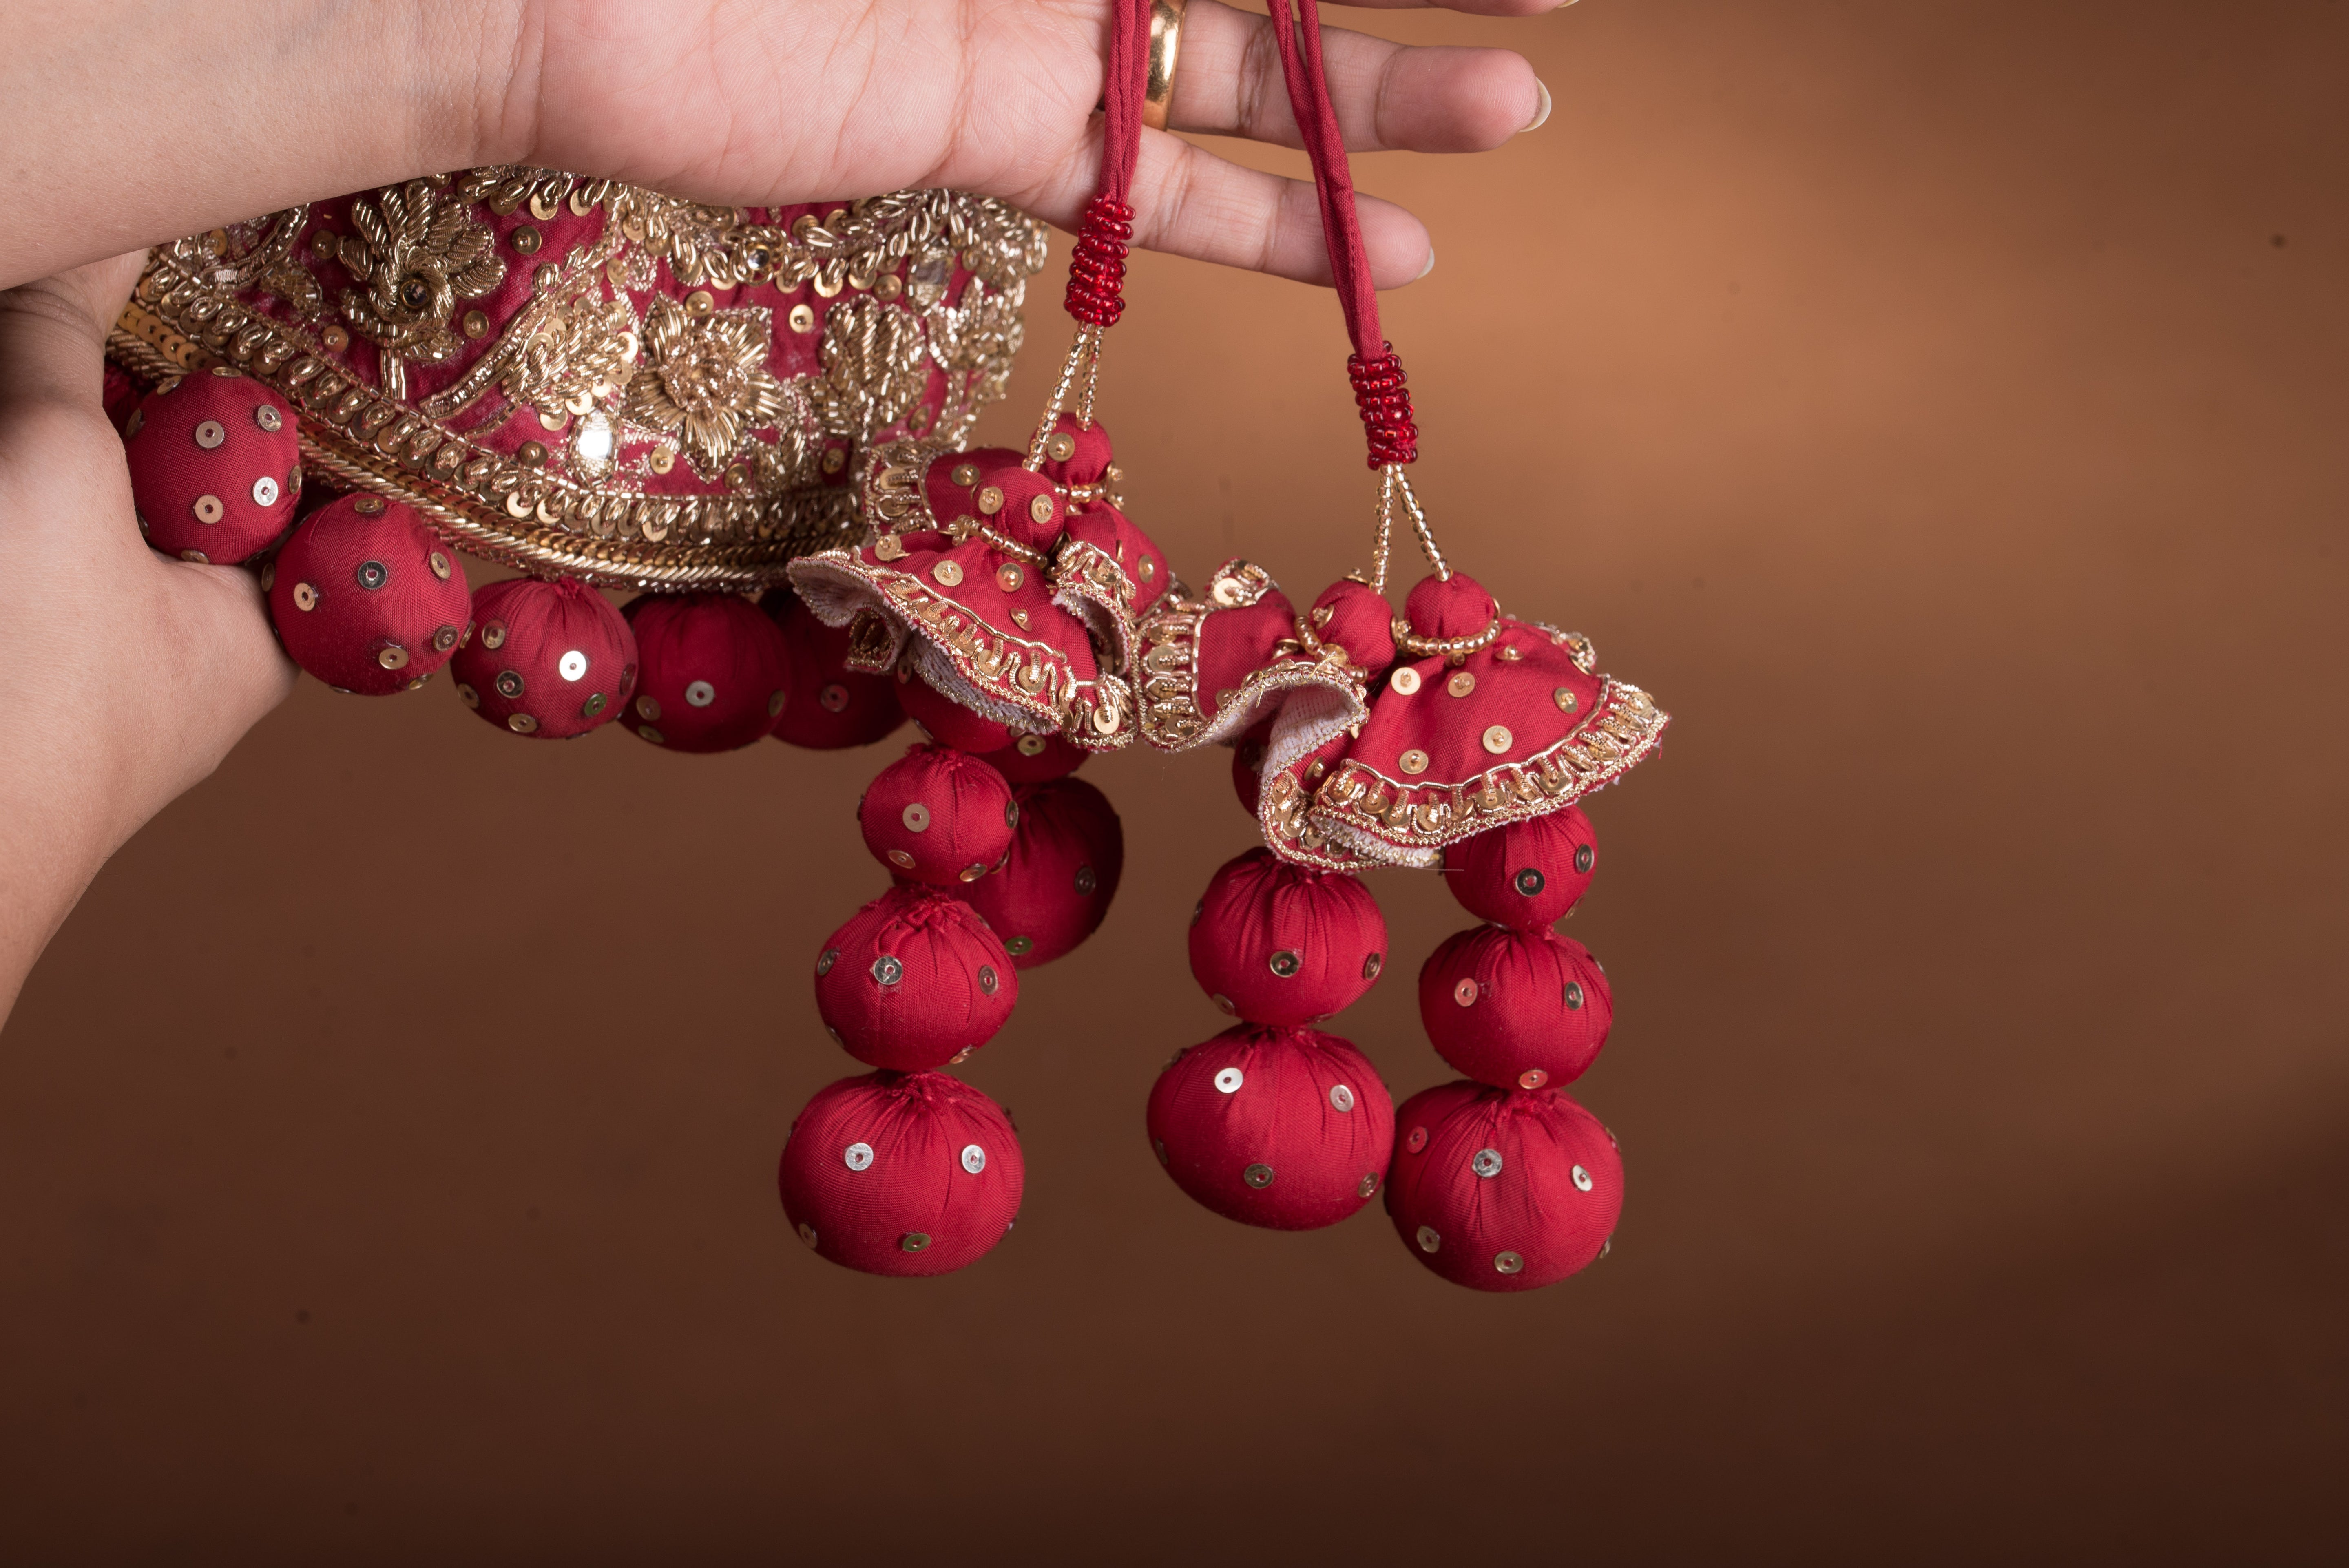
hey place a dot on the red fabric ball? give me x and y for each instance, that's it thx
(1066, 859)
(829, 705)
(947, 721)
(1515, 1009)
(1457, 606)
(902, 1173)
(366, 597)
(1502, 1189)
(1036, 759)
(550, 660)
(1356, 618)
(913, 981)
(215, 465)
(1287, 1129)
(713, 674)
(1524, 875)
(939, 816)
(1088, 447)
(1274, 943)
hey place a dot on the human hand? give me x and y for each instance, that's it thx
(130, 675)
(147, 124)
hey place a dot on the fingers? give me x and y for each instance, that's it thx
(1189, 202)
(52, 332)
(1389, 96)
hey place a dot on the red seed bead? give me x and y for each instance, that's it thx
(1066, 859)
(1502, 1189)
(549, 660)
(947, 721)
(215, 465)
(1526, 874)
(1274, 943)
(1515, 1009)
(712, 673)
(902, 1173)
(366, 597)
(939, 816)
(830, 706)
(1287, 1129)
(913, 981)
(1035, 759)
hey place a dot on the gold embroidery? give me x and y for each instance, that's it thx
(872, 369)
(415, 254)
(705, 380)
(575, 354)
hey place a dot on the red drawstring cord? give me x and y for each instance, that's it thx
(1380, 389)
(1097, 267)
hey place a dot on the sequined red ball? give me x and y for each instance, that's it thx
(901, 1173)
(215, 465)
(939, 816)
(1056, 886)
(1515, 1009)
(947, 721)
(829, 705)
(1287, 1128)
(366, 598)
(1502, 1189)
(1524, 875)
(1275, 943)
(713, 674)
(1035, 759)
(914, 980)
(550, 660)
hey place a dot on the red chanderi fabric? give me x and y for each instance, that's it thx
(1525, 874)
(366, 598)
(550, 660)
(828, 706)
(713, 674)
(1277, 943)
(1515, 1009)
(939, 816)
(1055, 888)
(1035, 759)
(914, 980)
(902, 1173)
(947, 721)
(1457, 744)
(1287, 1129)
(1502, 1189)
(215, 464)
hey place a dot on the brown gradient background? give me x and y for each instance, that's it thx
(1939, 407)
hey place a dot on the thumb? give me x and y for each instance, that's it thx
(52, 332)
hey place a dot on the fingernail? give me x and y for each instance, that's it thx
(1431, 263)
(1541, 114)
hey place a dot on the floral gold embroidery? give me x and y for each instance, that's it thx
(417, 253)
(705, 380)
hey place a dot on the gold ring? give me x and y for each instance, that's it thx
(1166, 44)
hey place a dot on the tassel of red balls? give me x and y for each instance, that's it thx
(908, 1171)
(1502, 1182)
(1275, 1123)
